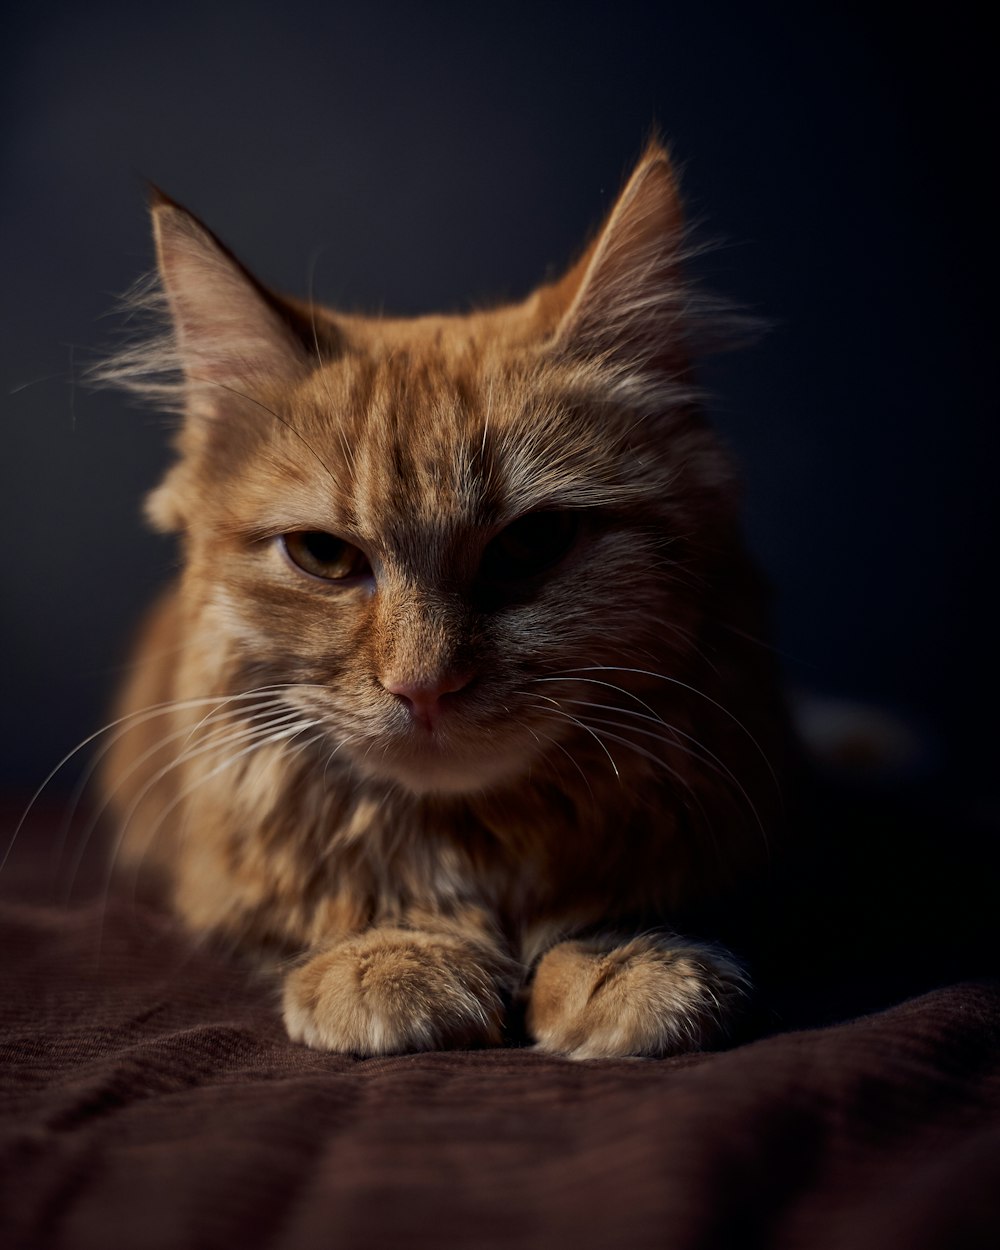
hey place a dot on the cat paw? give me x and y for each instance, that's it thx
(649, 996)
(393, 990)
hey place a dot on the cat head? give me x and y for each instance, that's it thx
(429, 530)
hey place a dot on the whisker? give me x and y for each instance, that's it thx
(714, 764)
(660, 762)
(277, 416)
(137, 867)
(586, 729)
(137, 763)
(320, 361)
(286, 732)
(346, 741)
(703, 753)
(272, 700)
(260, 702)
(652, 758)
(594, 681)
(151, 710)
(537, 733)
(706, 756)
(675, 681)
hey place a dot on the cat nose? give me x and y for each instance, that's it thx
(423, 699)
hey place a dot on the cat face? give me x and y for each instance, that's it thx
(421, 558)
(420, 528)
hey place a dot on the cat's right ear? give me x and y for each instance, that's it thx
(232, 345)
(231, 335)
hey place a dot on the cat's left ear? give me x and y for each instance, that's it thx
(624, 300)
(231, 334)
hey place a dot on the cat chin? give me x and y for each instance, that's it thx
(445, 775)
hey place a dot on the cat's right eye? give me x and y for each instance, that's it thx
(325, 555)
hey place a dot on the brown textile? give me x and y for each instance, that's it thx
(150, 1101)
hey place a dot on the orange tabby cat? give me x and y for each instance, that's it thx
(457, 695)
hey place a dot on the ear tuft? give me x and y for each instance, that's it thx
(626, 297)
(227, 331)
(202, 327)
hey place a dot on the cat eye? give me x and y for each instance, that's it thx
(531, 545)
(324, 555)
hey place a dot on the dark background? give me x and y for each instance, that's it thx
(424, 157)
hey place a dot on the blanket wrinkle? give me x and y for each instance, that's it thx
(149, 1097)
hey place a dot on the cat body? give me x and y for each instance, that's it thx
(458, 695)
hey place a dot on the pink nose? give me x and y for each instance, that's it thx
(424, 699)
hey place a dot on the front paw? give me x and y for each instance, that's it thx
(392, 990)
(650, 996)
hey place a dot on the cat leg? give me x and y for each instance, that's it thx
(653, 995)
(394, 989)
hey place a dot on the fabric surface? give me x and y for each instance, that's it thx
(151, 1099)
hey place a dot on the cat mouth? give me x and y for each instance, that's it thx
(443, 759)
(453, 753)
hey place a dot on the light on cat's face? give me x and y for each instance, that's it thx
(441, 728)
(420, 559)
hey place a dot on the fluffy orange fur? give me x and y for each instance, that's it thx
(458, 696)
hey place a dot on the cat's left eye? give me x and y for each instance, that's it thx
(325, 555)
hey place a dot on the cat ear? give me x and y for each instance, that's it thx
(230, 332)
(624, 299)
